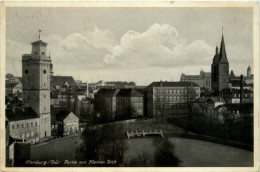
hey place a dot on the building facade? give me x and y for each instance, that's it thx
(36, 84)
(68, 123)
(220, 69)
(170, 98)
(203, 79)
(23, 124)
(129, 103)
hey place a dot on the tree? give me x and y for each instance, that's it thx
(141, 160)
(103, 144)
(9, 75)
(190, 96)
(161, 107)
(164, 155)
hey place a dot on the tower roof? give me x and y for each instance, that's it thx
(222, 52)
(232, 74)
(39, 42)
(216, 57)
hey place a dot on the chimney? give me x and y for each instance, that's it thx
(241, 89)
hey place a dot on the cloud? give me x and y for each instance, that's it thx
(159, 46)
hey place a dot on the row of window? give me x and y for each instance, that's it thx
(28, 134)
(171, 91)
(70, 123)
(171, 98)
(35, 53)
(26, 71)
(22, 125)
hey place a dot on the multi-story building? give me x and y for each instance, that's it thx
(23, 124)
(220, 69)
(170, 98)
(129, 103)
(105, 102)
(36, 84)
(234, 95)
(203, 79)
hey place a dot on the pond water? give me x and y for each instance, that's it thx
(196, 153)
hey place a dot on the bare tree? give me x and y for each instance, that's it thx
(190, 97)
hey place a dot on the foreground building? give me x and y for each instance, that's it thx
(170, 98)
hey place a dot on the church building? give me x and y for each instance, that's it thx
(220, 69)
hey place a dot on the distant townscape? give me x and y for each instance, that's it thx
(44, 109)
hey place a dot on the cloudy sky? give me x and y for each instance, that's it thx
(130, 44)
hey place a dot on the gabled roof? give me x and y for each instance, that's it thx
(172, 84)
(61, 80)
(18, 114)
(107, 92)
(129, 93)
(10, 85)
(62, 114)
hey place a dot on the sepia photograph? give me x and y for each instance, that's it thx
(129, 86)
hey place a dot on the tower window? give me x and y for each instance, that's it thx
(44, 71)
(26, 71)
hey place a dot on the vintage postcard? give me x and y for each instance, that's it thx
(161, 86)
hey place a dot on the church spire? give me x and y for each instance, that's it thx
(222, 52)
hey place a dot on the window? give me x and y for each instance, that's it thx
(35, 124)
(44, 96)
(43, 53)
(17, 125)
(44, 71)
(27, 125)
(31, 124)
(12, 126)
(26, 71)
(22, 125)
(35, 53)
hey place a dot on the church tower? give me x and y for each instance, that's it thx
(249, 71)
(36, 84)
(220, 69)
